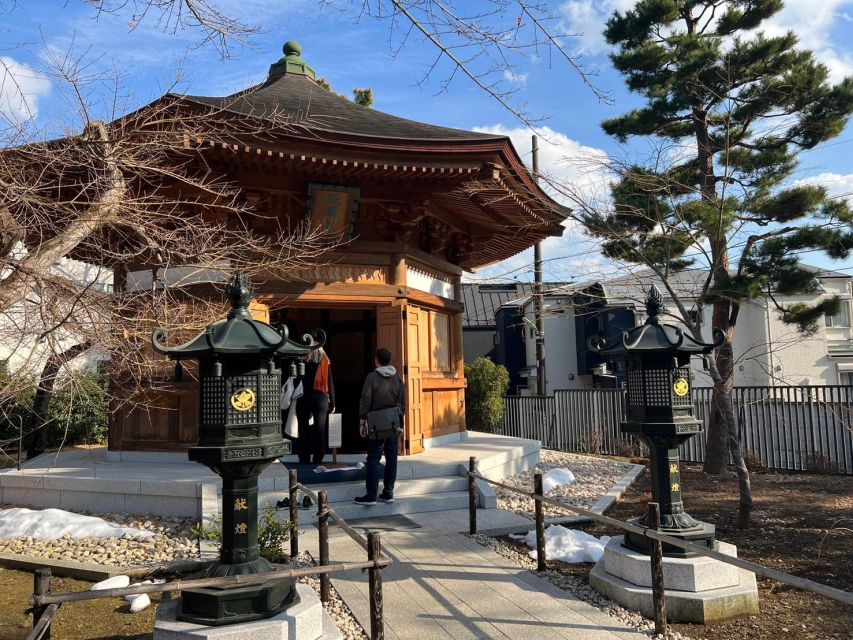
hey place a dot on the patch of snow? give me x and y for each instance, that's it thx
(568, 545)
(140, 603)
(53, 524)
(119, 582)
(557, 478)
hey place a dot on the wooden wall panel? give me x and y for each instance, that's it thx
(440, 342)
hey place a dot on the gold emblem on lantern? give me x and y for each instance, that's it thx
(676, 486)
(681, 387)
(241, 528)
(243, 399)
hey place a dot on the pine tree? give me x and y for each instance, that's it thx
(744, 104)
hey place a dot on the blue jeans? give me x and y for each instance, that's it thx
(375, 450)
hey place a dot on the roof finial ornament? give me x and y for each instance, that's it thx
(239, 292)
(654, 305)
(292, 62)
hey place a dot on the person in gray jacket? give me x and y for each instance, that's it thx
(383, 389)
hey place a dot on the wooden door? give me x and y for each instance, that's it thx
(417, 361)
(398, 328)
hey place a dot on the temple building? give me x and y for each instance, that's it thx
(418, 204)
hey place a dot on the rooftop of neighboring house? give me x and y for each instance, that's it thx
(632, 288)
(483, 300)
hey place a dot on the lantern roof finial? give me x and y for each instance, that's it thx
(654, 305)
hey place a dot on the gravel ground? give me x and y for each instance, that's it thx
(575, 585)
(593, 478)
(172, 540)
(336, 607)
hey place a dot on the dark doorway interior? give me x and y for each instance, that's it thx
(351, 342)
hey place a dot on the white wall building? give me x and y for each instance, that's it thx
(768, 352)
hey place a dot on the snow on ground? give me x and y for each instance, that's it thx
(557, 478)
(567, 545)
(593, 477)
(160, 539)
(53, 524)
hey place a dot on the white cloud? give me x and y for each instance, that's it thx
(837, 184)
(586, 19)
(812, 22)
(569, 166)
(21, 88)
(515, 78)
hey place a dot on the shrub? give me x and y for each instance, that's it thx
(817, 462)
(272, 534)
(752, 461)
(487, 384)
(78, 412)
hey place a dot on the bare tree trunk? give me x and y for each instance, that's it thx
(732, 439)
(37, 441)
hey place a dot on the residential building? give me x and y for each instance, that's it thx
(767, 351)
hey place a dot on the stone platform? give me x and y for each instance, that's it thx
(167, 484)
(305, 620)
(697, 589)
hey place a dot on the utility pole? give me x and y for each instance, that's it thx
(538, 295)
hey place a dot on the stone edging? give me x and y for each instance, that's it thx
(97, 572)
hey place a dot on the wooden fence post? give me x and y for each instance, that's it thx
(540, 523)
(294, 515)
(656, 548)
(41, 586)
(323, 525)
(472, 495)
(374, 552)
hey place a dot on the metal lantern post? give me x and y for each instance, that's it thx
(239, 370)
(660, 412)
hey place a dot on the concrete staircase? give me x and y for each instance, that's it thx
(414, 495)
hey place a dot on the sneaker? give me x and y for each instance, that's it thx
(283, 504)
(365, 500)
(307, 502)
(386, 497)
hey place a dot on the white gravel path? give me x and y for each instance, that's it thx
(594, 477)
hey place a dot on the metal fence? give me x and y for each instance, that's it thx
(787, 428)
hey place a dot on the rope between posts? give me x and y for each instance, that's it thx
(765, 572)
(343, 524)
(180, 585)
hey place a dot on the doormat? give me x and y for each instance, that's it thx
(308, 476)
(396, 522)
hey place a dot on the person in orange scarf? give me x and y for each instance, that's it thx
(314, 407)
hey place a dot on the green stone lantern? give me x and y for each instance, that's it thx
(660, 412)
(239, 367)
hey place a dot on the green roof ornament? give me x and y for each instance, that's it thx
(292, 62)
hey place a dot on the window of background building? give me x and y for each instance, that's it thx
(841, 318)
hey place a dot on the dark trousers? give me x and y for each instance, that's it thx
(311, 444)
(375, 450)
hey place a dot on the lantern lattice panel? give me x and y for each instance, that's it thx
(269, 407)
(635, 388)
(213, 401)
(242, 417)
(685, 400)
(654, 387)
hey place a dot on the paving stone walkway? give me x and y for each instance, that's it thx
(445, 586)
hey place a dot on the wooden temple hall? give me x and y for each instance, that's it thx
(421, 204)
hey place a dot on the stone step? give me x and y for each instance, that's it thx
(346, 491)
(403, 505)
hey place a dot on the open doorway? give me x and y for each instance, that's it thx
(350, 344)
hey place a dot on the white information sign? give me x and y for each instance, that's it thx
(335, 431)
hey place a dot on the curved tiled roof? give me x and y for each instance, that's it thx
(301, 99)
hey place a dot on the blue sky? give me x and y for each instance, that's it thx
(358, 52)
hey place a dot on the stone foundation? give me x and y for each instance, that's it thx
(697, 589)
